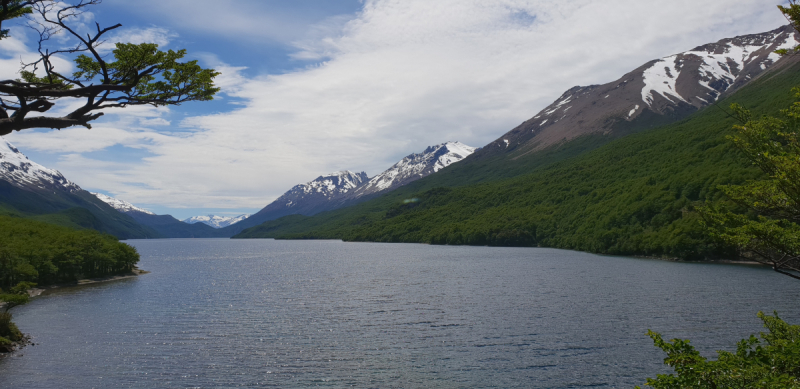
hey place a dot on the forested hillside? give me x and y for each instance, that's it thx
(43, 253)
(80, 210)
(634, 195)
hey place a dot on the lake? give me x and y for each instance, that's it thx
(265, 313)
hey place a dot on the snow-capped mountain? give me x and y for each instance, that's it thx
(120, 205)
(314, 196)
(416, 166)
(216, 221)
(37, 190)
(327, 186)
(340, 189)
(664, 90)
(166, 225)
(23, 173)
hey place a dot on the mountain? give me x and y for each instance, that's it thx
(341, 189)
(216, 221)
(635, 195)
(30, 190)
(166, 225)
(23, 173)
(120, 205)
(659, 92)
(414, 167)
(627, 190)
(306, 199)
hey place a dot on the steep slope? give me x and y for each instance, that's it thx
(28, 189)
(166, 225)
(658, 92)
(216, 221)
(632, 196)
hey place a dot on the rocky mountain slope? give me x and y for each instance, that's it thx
(658, 92)
(216, 221)
(345, 188)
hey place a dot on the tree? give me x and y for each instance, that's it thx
(769, 230)
(770, 362)
(137, 74)
(9, 333)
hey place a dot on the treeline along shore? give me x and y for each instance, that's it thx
(45, 254)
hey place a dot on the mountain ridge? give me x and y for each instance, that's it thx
(215, 220)
(345, 188)
(686, 82)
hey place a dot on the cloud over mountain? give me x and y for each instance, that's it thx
(397, 76)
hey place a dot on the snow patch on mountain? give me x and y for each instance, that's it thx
(721, 65)
(120, 205)
(662, 78)
(216, 221)
(333, 184)
(416, 166)
(20, 171)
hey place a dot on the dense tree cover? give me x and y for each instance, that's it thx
(32, 251)
(632, 196)
(133, 74)
(770, 362)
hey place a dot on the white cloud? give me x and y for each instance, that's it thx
(154, 122)
(160, 36)
(400, 76)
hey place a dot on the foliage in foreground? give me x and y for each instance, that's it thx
(769, 232)
(32, 251)
(9, 332)
(134, 74)
(773, 361)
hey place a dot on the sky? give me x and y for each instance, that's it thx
(311, 87)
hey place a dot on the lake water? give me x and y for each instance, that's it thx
(261, 313)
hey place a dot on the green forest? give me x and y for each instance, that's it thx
(631, 196)
(42, 253)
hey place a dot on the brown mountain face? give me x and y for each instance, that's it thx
(658, 92)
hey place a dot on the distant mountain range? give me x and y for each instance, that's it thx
(613, 168)
(166, 225)
(63, 202)
(341, 189)
(584, 118)
(216, 221)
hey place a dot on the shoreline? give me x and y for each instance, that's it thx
(37, 291)
(710, 261)
(27, 339)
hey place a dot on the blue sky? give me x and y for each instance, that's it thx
(312, 87)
